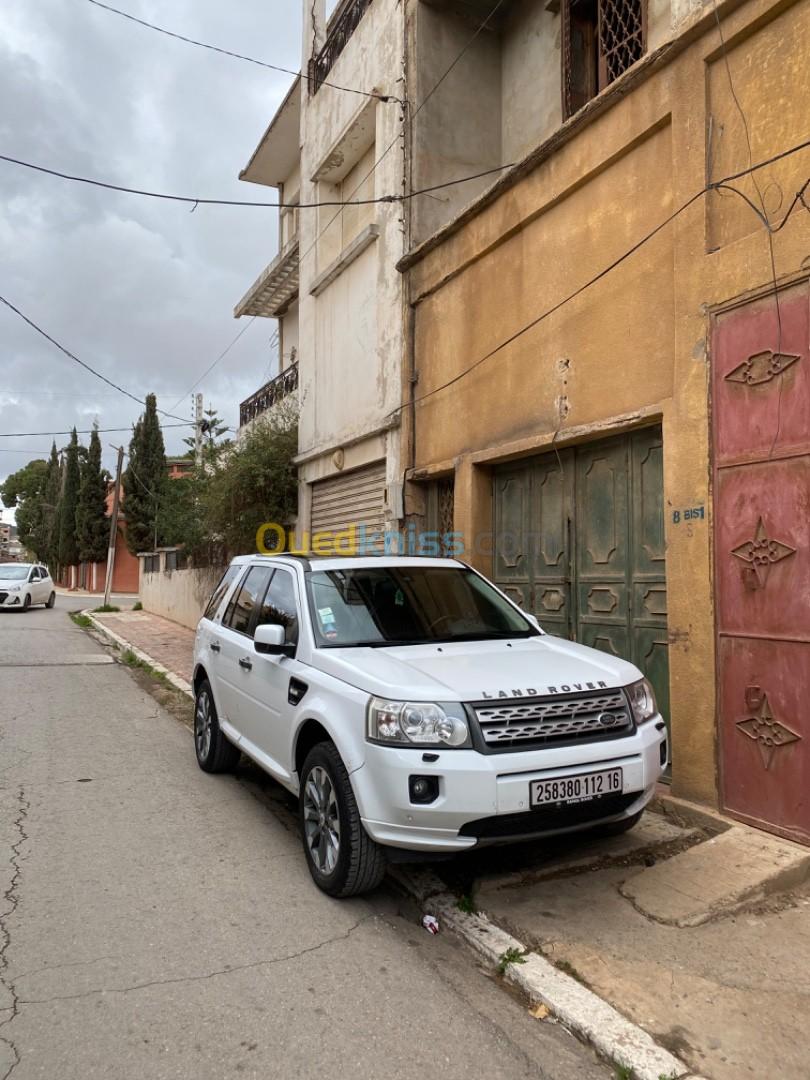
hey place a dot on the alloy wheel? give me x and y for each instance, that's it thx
(321, 820)
(202, 725)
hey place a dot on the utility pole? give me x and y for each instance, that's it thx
(198, 425)
(113, 527)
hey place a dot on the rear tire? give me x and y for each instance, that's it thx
(214, 753)
(51, 600)
(342, 858)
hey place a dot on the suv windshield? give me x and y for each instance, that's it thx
(14, 573)
(408, 605)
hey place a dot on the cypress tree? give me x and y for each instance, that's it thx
(144, 480)
(68, 547)
(92, 525)
(53, 485)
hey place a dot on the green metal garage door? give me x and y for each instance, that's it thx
(580, 542)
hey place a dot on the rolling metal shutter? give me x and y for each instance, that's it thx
(356, 497)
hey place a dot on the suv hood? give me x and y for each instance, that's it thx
(477, 670)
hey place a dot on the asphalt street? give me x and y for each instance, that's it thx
(157, 922)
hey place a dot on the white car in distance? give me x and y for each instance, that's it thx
(414, 708)
(24, 584)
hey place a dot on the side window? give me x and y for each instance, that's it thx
(280, 606)
(34, 575)
(243, 606)
(216, 596)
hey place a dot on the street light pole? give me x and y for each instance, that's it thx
(113, 528)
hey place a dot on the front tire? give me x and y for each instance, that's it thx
(342, 858)
(51, 600)
(214, 753)
(617, 828)
(27, 602)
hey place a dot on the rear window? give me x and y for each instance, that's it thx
(225, 583)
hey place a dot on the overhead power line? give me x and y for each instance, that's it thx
(718, 185)
(81, 363)
(240, 56)
(79, 431)
(200, 200)
(211, 367)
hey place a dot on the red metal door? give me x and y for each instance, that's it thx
(761, 430)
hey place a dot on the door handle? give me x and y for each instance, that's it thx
(215, 646)
(246, 663)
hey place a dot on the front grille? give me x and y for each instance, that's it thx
(547, 818)
(554, 720)
(3, 597)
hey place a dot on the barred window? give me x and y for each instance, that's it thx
(601, 40)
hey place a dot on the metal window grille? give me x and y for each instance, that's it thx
(345, 25)
(601, 39)
(621, 37)
(440, 511)
(286, 382)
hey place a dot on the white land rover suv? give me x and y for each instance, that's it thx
(411, 705)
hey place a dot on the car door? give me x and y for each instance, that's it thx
(236, 654)
(208, 643)
(35, 584)
(266, 714)
(47, 584)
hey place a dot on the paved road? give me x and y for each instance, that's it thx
(157, 922)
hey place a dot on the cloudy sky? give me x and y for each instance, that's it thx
(142, 290)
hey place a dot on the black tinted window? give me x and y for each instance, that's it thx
(246, 601)
(216, 597)
(280, 607)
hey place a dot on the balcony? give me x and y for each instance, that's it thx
(284, 384)
(342, 29)
(276, 287)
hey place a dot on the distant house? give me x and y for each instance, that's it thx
(179, 467)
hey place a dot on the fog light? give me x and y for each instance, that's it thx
(423, 789)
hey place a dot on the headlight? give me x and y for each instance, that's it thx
(642, 701)
(13, 588)
(416, 723)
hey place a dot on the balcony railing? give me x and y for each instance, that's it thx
(285, 383)
(345, 25)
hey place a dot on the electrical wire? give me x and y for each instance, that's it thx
(211, 367)
(763, 216)
(240, 56)
(79, 431)
(601, 274)
(81, 363)
(199, 200)
(424, 191)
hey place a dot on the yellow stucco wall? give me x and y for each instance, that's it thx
(632, 348)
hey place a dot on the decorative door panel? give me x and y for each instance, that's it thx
(550, 517)
(512, 551)
(761, 432)
(761, 377)
(765, 733)
(763, 549)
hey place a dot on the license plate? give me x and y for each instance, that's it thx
(573, 789)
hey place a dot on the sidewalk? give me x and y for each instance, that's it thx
(164, 641)
(700, 936)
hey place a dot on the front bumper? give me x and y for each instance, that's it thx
(11, 599)
(475, 788)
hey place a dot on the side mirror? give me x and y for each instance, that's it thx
(533, 620)
(269, 638)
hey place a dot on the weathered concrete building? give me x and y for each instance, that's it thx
(338, 139)
(607, 394)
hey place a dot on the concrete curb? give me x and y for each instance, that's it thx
(575, 1006)
(105, 631)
